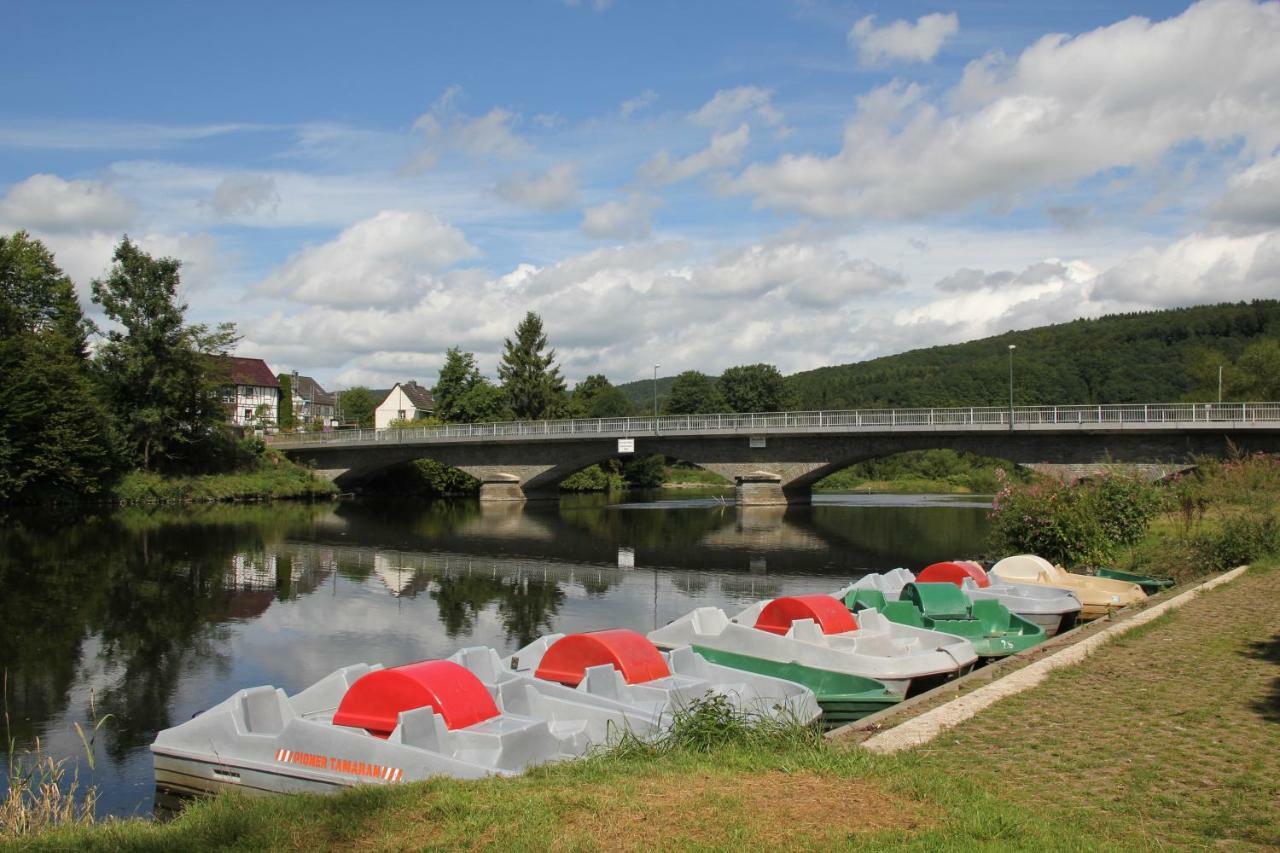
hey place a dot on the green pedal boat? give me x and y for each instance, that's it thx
(1150, 585)
(988, 624)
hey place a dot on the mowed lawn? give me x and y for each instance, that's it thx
(1168, 738)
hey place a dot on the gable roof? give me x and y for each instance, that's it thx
(309, 389)
(234, 370)
(420, 397)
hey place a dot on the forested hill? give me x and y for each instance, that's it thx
(1152, 356)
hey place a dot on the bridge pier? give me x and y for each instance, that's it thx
(764, 488)
(501, 487)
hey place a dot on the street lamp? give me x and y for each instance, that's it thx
(1012, 347)
(655, 397)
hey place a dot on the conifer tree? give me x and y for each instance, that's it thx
(458, 376)
(530, 378)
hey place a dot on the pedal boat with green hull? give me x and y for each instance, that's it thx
(854, 665)
(1150, 585)
(988, 624)
(1098, 596)
(1052, 609)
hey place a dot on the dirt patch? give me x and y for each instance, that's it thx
(772, 809)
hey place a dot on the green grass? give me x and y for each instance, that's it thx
(899, 487)
(274, 478)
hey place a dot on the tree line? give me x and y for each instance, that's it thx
(72, 420)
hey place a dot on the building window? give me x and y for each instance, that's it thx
(400, 416)
(248, 414)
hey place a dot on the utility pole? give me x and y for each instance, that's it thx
(1219, 383)
(1012, 347)
(655, 407)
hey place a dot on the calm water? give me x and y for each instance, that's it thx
(152, 616)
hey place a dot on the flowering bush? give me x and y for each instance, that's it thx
(1076, 525)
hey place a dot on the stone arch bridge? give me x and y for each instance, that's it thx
(776, 457)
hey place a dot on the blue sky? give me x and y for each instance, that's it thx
(359, 187)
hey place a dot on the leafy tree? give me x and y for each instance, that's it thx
(596, 397)
(1256, 376)
(755, 388)
(458, 376)
(357, 405)
(155, 368)
(695, 393)
(529, 376)
(56, 438)
(284, 416)
(483, 402)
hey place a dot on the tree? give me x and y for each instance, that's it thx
(284, 417)
(357, 405)
(458, 376)
(694, 393)
(483, 402)
(596, 397)
(531, 379)
(56, 437)
(755, 388)
(1256, 376)
(155, 369)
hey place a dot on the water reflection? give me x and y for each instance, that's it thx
(151, 616)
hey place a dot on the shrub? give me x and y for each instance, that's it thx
(1077, 525)
(592, 479)
(1239, 539)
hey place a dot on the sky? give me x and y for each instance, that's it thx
(359, 187)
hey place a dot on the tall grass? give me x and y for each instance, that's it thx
(42, 793)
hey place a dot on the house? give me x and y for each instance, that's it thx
(311, 403)
(406, 401)
(249, 390)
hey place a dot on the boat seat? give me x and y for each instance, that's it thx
(264, 710)
(483, 662)
(994, 616)
(937, 600)
(709, 620)
(865, 599)
(904, 613)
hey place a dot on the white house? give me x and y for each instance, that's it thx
(407, 401)
(250, 392)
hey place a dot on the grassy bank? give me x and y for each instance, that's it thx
(1165, 738)
(272, 478)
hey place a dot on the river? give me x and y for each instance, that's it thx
(145, 617)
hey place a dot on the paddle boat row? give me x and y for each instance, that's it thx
(1053, 610)
(855, 665)
(467, 716)
(1098, 595)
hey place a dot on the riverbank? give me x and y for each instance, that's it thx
(1187, 754)
(272, 478)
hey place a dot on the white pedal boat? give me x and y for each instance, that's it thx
(1051, 608)
(811, 636)
(468, 716)
(625, 666)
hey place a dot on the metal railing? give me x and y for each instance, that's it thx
(1190, 415)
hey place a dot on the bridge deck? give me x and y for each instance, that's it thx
(1161, 417)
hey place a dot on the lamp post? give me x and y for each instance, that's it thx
(1219, 383)
(655, 399)
(1012, 347)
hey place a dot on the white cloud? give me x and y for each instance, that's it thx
(1252, 198)
(620, 220)
(902, 40)
(49, 203)
(389, 259)
(724, 150)
(244, 195)
(447, 129)
(1121, 96)
(79, 135)
(727, 105)
(640, 102)
(1198, 268)
(554, 189)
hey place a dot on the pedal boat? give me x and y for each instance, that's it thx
(1054, 610)
(372, 725)
(625, 666)
(854, 665)
(1150, 585)
(994, 631)
(1098, 596)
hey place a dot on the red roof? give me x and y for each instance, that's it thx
(234, 370)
